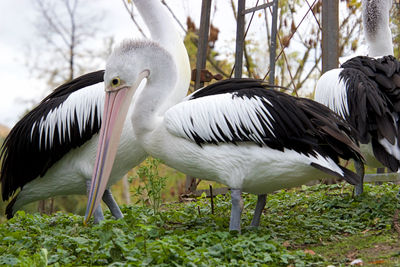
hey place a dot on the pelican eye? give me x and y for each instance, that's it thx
(115, 82)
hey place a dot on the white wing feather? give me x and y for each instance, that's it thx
(220, 117)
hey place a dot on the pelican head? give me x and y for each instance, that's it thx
(128, 65)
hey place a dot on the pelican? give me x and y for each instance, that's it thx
(51, 151)
(234, 132)
(365, 91)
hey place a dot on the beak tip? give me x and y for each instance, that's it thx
(86, 220)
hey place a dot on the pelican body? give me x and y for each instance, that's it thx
(235, 132)
(365, 91)
(51, 151)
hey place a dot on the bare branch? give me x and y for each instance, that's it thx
(173, 15)
(267, 26)
(130, 11)
(65, 33)
(52, 23)
(300, 84)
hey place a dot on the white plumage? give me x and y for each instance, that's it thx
(213, 117)
(77, 109)
(332, 92)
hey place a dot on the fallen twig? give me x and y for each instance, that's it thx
(396, 221)
(212, 199)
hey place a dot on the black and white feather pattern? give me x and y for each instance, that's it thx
(65, 119)
(243, 110)
(373, 99)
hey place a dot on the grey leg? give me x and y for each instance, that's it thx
(359, 188)
(98, 213)
(111, 204)
(262, 199)
(236, 210)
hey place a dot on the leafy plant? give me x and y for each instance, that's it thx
(150, 184)
(308, 226)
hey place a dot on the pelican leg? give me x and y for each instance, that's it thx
(236, 210)
(98, 213)
(261, 200)
(359, 188)
(112, 204)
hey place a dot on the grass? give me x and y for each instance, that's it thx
(309, 226)
(374, 247)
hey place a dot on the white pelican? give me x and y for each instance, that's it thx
(366, 91)
(234, 132)
(51, 151)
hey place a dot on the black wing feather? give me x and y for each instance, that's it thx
(21, 146)
(374, 96)
(299, 124)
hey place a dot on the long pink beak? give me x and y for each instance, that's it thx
(116, 106)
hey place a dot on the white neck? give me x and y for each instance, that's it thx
(163, 31)
(149, 101)
(376, 27)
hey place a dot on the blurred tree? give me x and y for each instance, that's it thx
(65, 29)
(395, 27)
(299, 38)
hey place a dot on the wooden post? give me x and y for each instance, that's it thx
(330, 34)
(191, 183)
(239, 38)
(212, 199)
(272, 55)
